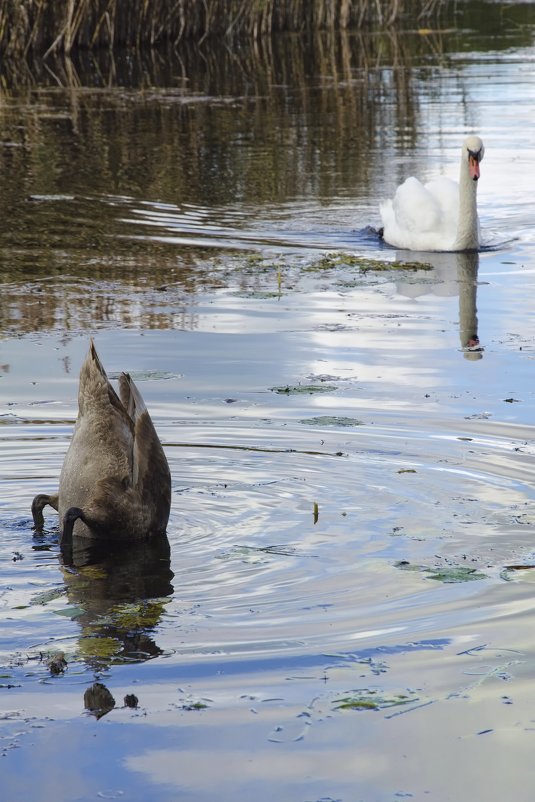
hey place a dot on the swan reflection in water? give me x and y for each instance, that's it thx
(119, 595)
(453, 274)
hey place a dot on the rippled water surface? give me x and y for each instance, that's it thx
(337, 613)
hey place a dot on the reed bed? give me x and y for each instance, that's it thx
(45, 26)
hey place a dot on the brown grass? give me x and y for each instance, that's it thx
(45, 26)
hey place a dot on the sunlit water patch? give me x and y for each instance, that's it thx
(282, 530)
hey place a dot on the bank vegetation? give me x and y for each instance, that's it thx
(46, 26)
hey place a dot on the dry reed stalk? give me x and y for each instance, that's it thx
(49, 26)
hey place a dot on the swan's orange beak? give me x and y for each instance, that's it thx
(474, 167)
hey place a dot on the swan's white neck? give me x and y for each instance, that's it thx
(468, 224)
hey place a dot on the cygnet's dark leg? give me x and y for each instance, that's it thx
(38, 503)
(69, 519)
(66, 545)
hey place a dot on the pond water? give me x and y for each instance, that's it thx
(337, 613)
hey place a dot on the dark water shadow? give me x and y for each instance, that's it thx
(118, 595)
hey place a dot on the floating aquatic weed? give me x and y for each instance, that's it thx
(363, 264)
(331, 420)
(194, 706)
(369, 699)
(46, 596)
(306, 389)
(448, 574)
(459, 573)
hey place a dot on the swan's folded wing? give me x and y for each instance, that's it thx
(415, 208)
(446, 195)
(150, 469)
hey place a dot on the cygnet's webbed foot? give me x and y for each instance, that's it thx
(38, 504)
(69, 519)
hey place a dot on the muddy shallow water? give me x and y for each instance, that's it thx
(334, 615)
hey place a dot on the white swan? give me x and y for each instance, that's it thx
(440, 215)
